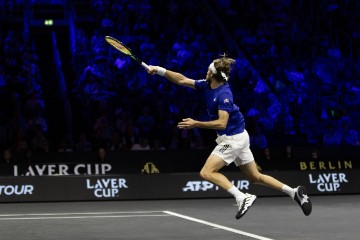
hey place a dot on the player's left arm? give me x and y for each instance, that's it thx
(218, 124)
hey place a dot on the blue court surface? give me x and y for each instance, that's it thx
(276, 218)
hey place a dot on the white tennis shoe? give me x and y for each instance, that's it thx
(245, 205)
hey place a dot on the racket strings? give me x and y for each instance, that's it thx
(119, 46)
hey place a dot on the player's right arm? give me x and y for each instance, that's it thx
(173, 77)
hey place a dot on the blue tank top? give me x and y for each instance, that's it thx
(221, 98)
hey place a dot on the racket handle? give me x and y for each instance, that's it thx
(145, 65)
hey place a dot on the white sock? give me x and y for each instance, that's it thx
(289, 191)
(236, 193)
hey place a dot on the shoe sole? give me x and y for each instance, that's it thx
(301, 192)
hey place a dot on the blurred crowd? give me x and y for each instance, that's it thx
(23, 126)
(293, 82)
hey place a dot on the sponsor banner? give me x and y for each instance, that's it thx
(106, 187)
(145, 167)
(62, 169)
(164, 186)
(329, 182)
(62, 188)
(173, 161)
(66, 169)
(317, 183)
(16, 190)
(326, 165)
(127, 162)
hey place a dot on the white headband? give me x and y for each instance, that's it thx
(213, 70)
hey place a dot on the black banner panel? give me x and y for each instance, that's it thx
(172, 161)
(164, 186)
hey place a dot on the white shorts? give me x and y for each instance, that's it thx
(234, 148)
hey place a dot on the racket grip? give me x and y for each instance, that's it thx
(145, 65)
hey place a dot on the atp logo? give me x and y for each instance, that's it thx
(203, 186)
(197, 186)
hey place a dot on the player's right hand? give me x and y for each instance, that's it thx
(152, 70)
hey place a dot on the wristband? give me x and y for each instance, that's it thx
(161, 71)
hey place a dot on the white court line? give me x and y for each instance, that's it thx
(217, 226)
(81, 217)
(79, 213)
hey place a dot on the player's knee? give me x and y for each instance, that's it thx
(205, 174)
(255, 178)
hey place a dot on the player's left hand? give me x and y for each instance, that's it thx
(187, 123)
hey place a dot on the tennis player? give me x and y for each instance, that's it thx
(233, 140)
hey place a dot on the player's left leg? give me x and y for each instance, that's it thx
(252, 173)
(298, 194)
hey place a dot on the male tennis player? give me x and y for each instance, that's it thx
(233, 139)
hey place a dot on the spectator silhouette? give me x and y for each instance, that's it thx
(143, 144)
(349, 136)
(101, 154)
(331, 137)
(7, 157)
(83, 145)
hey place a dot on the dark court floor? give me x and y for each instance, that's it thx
(278, 218)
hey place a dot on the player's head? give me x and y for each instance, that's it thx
(220, 68)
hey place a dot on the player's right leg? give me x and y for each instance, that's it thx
(210, 172)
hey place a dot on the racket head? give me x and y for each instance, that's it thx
(118, 45)
(124, 49)
(121, 47)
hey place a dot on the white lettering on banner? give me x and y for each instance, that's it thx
(197, 186)
(51, 168)
(63, 169)
(241, 184)
(9, 190)
(106, 187)
(76, 168)
(328, 182)
(90, 169)
(41, 169)
(16, 173)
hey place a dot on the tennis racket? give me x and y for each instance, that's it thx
(125, 50)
